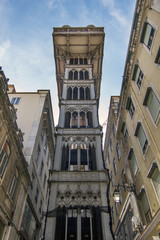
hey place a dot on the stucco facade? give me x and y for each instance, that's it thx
(137, 129)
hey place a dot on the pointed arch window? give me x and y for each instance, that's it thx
(78, 157)
(13, 183)
(89, 118)
(75, 75)
(81, 93)
(81, 75)
(75, 93)
(86, 75)
(85, 61)
(82, 120)
(4, 158)
(70, 75)
(69, 93)
(67, 119)
(74, 120)
(87, 93)
(76, 61)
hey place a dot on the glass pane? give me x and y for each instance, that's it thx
(144, 202)
(156, 182)
(147, 34)
(72, 228)
(153, 105)
(141, 136)
(133, 163)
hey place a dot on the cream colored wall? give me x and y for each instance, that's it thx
(26, 110)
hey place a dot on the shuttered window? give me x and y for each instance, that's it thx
(152, 103)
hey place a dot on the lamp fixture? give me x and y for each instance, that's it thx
(117, 194)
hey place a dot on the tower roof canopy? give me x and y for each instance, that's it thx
(78, 42)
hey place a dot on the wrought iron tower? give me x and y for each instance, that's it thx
(78, 184)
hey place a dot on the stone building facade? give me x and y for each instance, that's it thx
(14, 176)
(78, 207)
(132, 147)
(35, 118)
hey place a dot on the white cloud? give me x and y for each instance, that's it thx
(4, 48)
(108, 3)
(119, 17)
(52, 4)
(114, 12)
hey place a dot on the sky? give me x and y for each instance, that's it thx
(26, 46)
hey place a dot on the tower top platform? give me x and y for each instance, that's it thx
(78, 42)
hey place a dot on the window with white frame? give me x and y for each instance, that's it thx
(114, 166)
(111, 177)
(111, 145)
(41, 169)
(145, 206)
(38, 153)
(116, 208)
(140, 134)
(4, 158)
(15, 100)
(130, 107)
(152, 103)
(37, 195)
(137, 75)
(154, 175)
(2, 227)
(118, 151)
(157, 59)
(78, 157)
(124, 179)
(114, 131)
(108, 158)
(13, 183)
(132, 162)
(113, 219)
(147, 35)
(124, 131)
